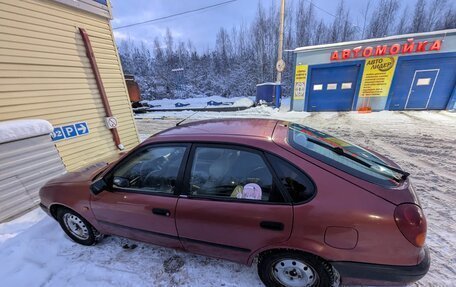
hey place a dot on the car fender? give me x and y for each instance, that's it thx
(73, 196)
(310, 247)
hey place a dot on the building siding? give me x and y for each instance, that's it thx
(45, 73)
(26, 165)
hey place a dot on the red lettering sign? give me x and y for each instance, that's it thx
(393, 49)
(346, 54)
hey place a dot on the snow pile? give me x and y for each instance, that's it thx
(21, 129)
(261, 111)
(201, 102)
(244, 102)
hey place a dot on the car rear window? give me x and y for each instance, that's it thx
(343, 155)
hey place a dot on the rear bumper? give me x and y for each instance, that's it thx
(383, 273)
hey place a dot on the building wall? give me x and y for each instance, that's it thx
(312, 58)
(45, 74)
(25, 166)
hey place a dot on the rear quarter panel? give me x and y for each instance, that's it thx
(340, 203)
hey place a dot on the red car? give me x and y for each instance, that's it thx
(309, 206)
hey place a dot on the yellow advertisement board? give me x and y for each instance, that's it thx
(377, 76)
(300, 82)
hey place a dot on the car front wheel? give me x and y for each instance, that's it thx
(76, 227)
(293, 269)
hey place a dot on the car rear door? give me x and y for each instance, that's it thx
(232, 205)
(142, 195)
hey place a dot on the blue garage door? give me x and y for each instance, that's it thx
(425, 83)
(421, 89)
(332, 88)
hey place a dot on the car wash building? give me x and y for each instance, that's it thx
(403, 72)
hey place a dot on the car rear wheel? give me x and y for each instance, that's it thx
(293, 269)
(76, 227)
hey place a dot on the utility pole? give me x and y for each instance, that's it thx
(280, 66)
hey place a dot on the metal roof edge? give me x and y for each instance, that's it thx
(394, 37)
(90, 6)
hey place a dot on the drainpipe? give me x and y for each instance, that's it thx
(100, 86)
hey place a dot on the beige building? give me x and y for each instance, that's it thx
(46, 73)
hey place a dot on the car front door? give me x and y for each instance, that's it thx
(142, 195)
(231, 205)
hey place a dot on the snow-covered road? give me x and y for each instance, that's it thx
(35, 252)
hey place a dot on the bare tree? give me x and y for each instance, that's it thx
(169, 43)
(448, 20)
(321, 34)
(383, 20)
(434, 13)
(342, 29)
(403, 24)
(365, 13)
(304, 21)
(223, 51)
(419, 17)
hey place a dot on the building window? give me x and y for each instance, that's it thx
(332, 86)
(423, 82)
(318, 87)
(346, 86)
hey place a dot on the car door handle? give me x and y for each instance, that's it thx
(161, 211)
(273, 225)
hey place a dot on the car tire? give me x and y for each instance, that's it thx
(291, 269)
(76, 227)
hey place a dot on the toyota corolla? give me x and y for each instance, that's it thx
(309, 208)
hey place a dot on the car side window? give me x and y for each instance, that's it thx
(232, 174)
(153, 170)
(298, 185)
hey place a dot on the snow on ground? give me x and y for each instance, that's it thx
(40, 254)
(35, 252)
(201, 102)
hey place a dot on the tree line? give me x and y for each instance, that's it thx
(245, 55)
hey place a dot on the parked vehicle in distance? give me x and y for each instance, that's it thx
(309, 206)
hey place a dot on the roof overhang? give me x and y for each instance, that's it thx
(98, 7)
(375, 40)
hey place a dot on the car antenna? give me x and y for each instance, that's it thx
(189, 116)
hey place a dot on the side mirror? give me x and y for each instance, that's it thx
(120, 182)
(98, 186)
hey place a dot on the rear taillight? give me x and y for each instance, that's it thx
(411, 222)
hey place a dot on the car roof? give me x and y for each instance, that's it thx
(240, 127)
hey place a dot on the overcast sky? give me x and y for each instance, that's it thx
(201, 27)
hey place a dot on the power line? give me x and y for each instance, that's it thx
(327, 12)
(174, 15)
(318, 7)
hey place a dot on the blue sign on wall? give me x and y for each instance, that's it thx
(57, 134)
(70, 131)
(81, 128)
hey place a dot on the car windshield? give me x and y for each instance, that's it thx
(344, 155)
